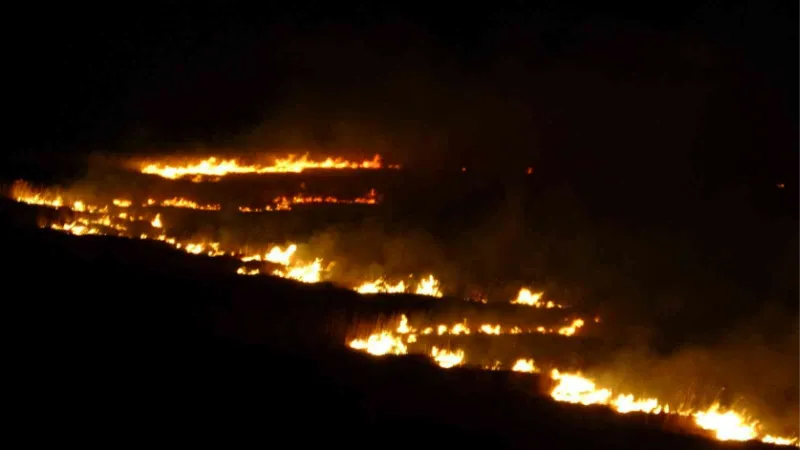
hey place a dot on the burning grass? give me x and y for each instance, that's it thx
(443, 341)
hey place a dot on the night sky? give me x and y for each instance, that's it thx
(705, 94)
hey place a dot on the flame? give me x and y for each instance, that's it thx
(625, 403)
(446, 358)
(284, 203)
(572, 328)
(769, 439)
(246, 271)
(727, 426)
(578, 389)
(180, 202)
(462, 327)
(282, 257)
(21, 191)
(212, 167)
(156, 222)
(380, 286)
(524, 365)
(95, 219)
(573, 388)
(429, 286)
(309, 273)
(304, 272)
(380, 344)
(526, 297)
(529, 298)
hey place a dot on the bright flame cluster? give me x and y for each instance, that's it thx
(427, 286)
(568, 387)
(528, 298)
(725, 425)
(284, 203)
(212, 167)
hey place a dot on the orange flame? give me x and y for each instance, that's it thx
(291, 164)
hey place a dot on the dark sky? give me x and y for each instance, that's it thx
(708, 91)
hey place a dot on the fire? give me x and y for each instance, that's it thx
(728, 426)
(156, 222)
(625, 403)
(246, 271)
(769, 439)
(295, 270)
(446, 358)
(462, 327)
(212, 167)
(94, 219)
(490, 329)
(572, 328)
(284, 203)
(528, 298)
(180, 202)
(380, 286)
(309, 273)
(427, 286)
(380, 344)
(23, 192)
(524, 365)
(282, 257)
(578, 389)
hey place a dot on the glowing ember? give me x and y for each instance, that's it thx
(291, 164)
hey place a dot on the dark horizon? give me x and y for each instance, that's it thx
(701, 94)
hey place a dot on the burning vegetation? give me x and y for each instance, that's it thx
(214, 168)
(441, 341)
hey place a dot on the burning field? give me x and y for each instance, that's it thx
(251, 219)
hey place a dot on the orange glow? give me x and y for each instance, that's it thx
(529, 298)
(137, 219)
(212, 167)
(283, 203)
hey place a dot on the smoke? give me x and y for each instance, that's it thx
(752, 367)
